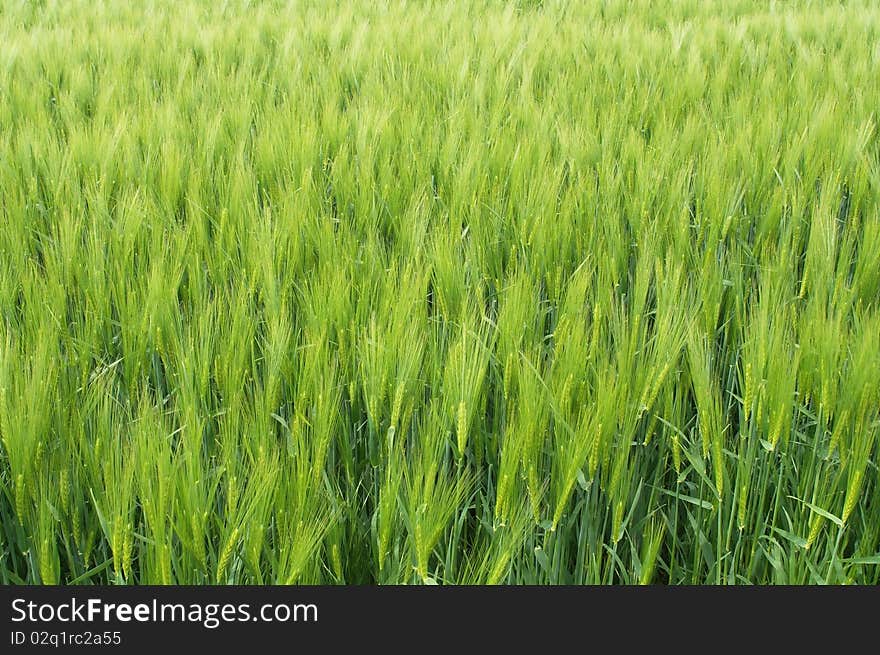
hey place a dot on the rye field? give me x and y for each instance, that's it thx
(439, 292)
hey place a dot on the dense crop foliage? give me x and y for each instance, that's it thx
(458, 292)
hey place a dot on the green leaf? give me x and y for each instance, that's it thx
(821, 512)
(542, 558)
(699, 502)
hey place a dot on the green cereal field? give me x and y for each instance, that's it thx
(439, 292)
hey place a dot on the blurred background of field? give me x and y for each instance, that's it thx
(439, 292)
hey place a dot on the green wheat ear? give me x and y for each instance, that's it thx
(461, 427)
(652, 540)
(226, 554)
